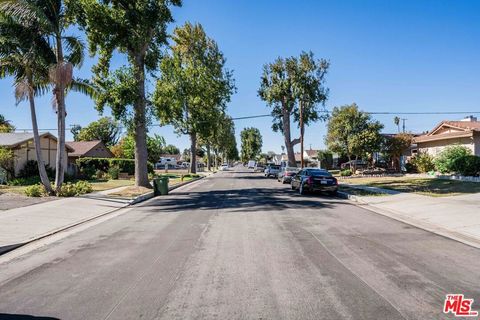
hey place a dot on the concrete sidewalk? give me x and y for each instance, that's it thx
(456, 217)
(19, 226)
(22, 225)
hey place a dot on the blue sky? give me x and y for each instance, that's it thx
(395, 56)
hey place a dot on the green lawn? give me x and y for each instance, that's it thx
(426, 186)
(12, 189)
(361, 192)
(98, 185)
(110, 184)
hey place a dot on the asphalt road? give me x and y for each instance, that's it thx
(239, 246)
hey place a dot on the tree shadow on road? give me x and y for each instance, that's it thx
(242, 200)
(9, 316)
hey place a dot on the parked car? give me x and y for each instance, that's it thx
(272, 170)
(311, 180)
(259, 167)
(251, 164)
(357, 163)
(286, 174)
(224, 167)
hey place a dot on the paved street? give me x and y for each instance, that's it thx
(239, 246)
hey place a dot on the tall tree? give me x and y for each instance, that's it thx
(171, 149)
(252, 142)
(194, 85)
(137, 29)
(104, 129)
(294, 87)
(126, 147)
(394, 146)
(396, 120)
(25, 55)
(352, 132)
(52, 20)
(223, 139)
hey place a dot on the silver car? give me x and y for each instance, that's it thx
(286, 174)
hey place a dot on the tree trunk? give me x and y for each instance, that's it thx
(36, 140)
(209, 162)
(141, 153)
(288, 140)
(61, 114)
(193, 152)
(302, 131)
(216, 157)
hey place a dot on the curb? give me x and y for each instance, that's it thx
(150, 195)
(438, 230)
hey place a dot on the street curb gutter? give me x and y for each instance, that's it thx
(136, 200)
(444, 232)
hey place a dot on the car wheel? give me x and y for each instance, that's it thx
(302, 189)
(283, 181)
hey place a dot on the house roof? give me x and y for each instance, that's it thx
(463, 129)
(80, 148)
(14, 139)
(312, 153)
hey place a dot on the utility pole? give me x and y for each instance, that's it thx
(403, 124)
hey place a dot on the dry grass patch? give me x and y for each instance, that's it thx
(131, 192)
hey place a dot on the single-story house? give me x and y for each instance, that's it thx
(93, 149)
(465, 132)
(24, 148)
(310, 156)
(83, 149)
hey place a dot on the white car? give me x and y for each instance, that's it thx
(224, 167)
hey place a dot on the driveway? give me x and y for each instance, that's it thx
(239, 246)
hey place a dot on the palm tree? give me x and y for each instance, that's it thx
(50, 16)
(396, 120)
(26, 56)
(5, 125)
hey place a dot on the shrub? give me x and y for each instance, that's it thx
(113, 173)
(346, 173)
(83, 187)
(36, 190)
(468, 165)
(423, 162)
(31, 169)
(24, 181)
(74, 189)
(89, 166)
(410, 167)
(445, 161)
(67, 190)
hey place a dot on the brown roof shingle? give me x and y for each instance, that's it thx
(81, 148)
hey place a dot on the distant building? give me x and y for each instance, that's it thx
(465, 132)
(24, 148)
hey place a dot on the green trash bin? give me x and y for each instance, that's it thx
(160, 186)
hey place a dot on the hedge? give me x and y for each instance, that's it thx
(468, 165)
(89, 166)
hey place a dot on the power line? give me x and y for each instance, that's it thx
(325, 111)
